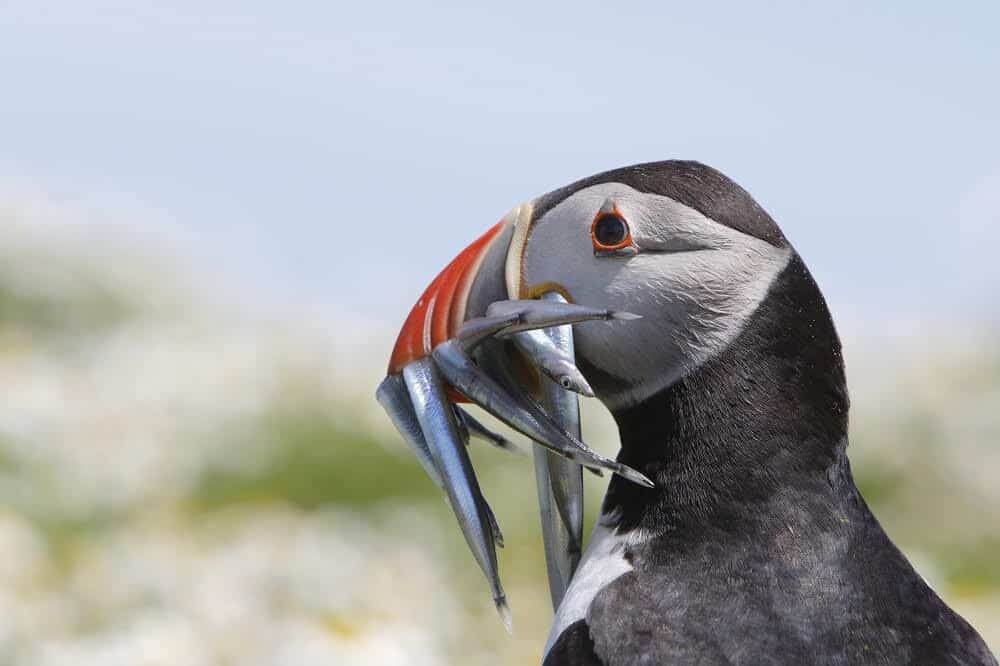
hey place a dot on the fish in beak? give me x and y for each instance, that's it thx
(453, 349)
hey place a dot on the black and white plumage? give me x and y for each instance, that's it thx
(754, 546)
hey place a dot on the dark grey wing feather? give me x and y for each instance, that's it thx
(574, 647)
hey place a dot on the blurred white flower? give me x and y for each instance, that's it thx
(120, 423)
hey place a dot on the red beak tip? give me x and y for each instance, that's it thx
(440, 310)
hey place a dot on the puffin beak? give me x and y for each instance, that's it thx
(441, 309)
(449, 352)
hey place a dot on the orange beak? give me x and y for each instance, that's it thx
(441, 309)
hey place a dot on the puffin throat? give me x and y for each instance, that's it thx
(767, 411)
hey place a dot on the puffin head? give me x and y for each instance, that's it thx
(726, 380)
(676, 242)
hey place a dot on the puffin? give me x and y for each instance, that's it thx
(732, 531)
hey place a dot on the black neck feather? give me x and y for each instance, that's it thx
(768, 411)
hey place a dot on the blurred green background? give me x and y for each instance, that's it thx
(215, 215)
(184, 481)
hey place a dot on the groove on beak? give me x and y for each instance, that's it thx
(445, 304)
(441, 309)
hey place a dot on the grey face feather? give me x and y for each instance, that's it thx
(694, 281)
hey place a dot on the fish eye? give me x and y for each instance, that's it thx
(610, 232)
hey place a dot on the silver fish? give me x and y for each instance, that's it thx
(445, 441)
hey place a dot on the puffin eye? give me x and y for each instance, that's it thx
(610, 232)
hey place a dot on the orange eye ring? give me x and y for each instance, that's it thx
(610, 232)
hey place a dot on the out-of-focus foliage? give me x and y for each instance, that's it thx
(316, 460)
(186, 484)
(926, 454)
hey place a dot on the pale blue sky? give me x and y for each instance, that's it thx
(341, 154)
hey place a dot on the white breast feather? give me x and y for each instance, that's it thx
(603, 561)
